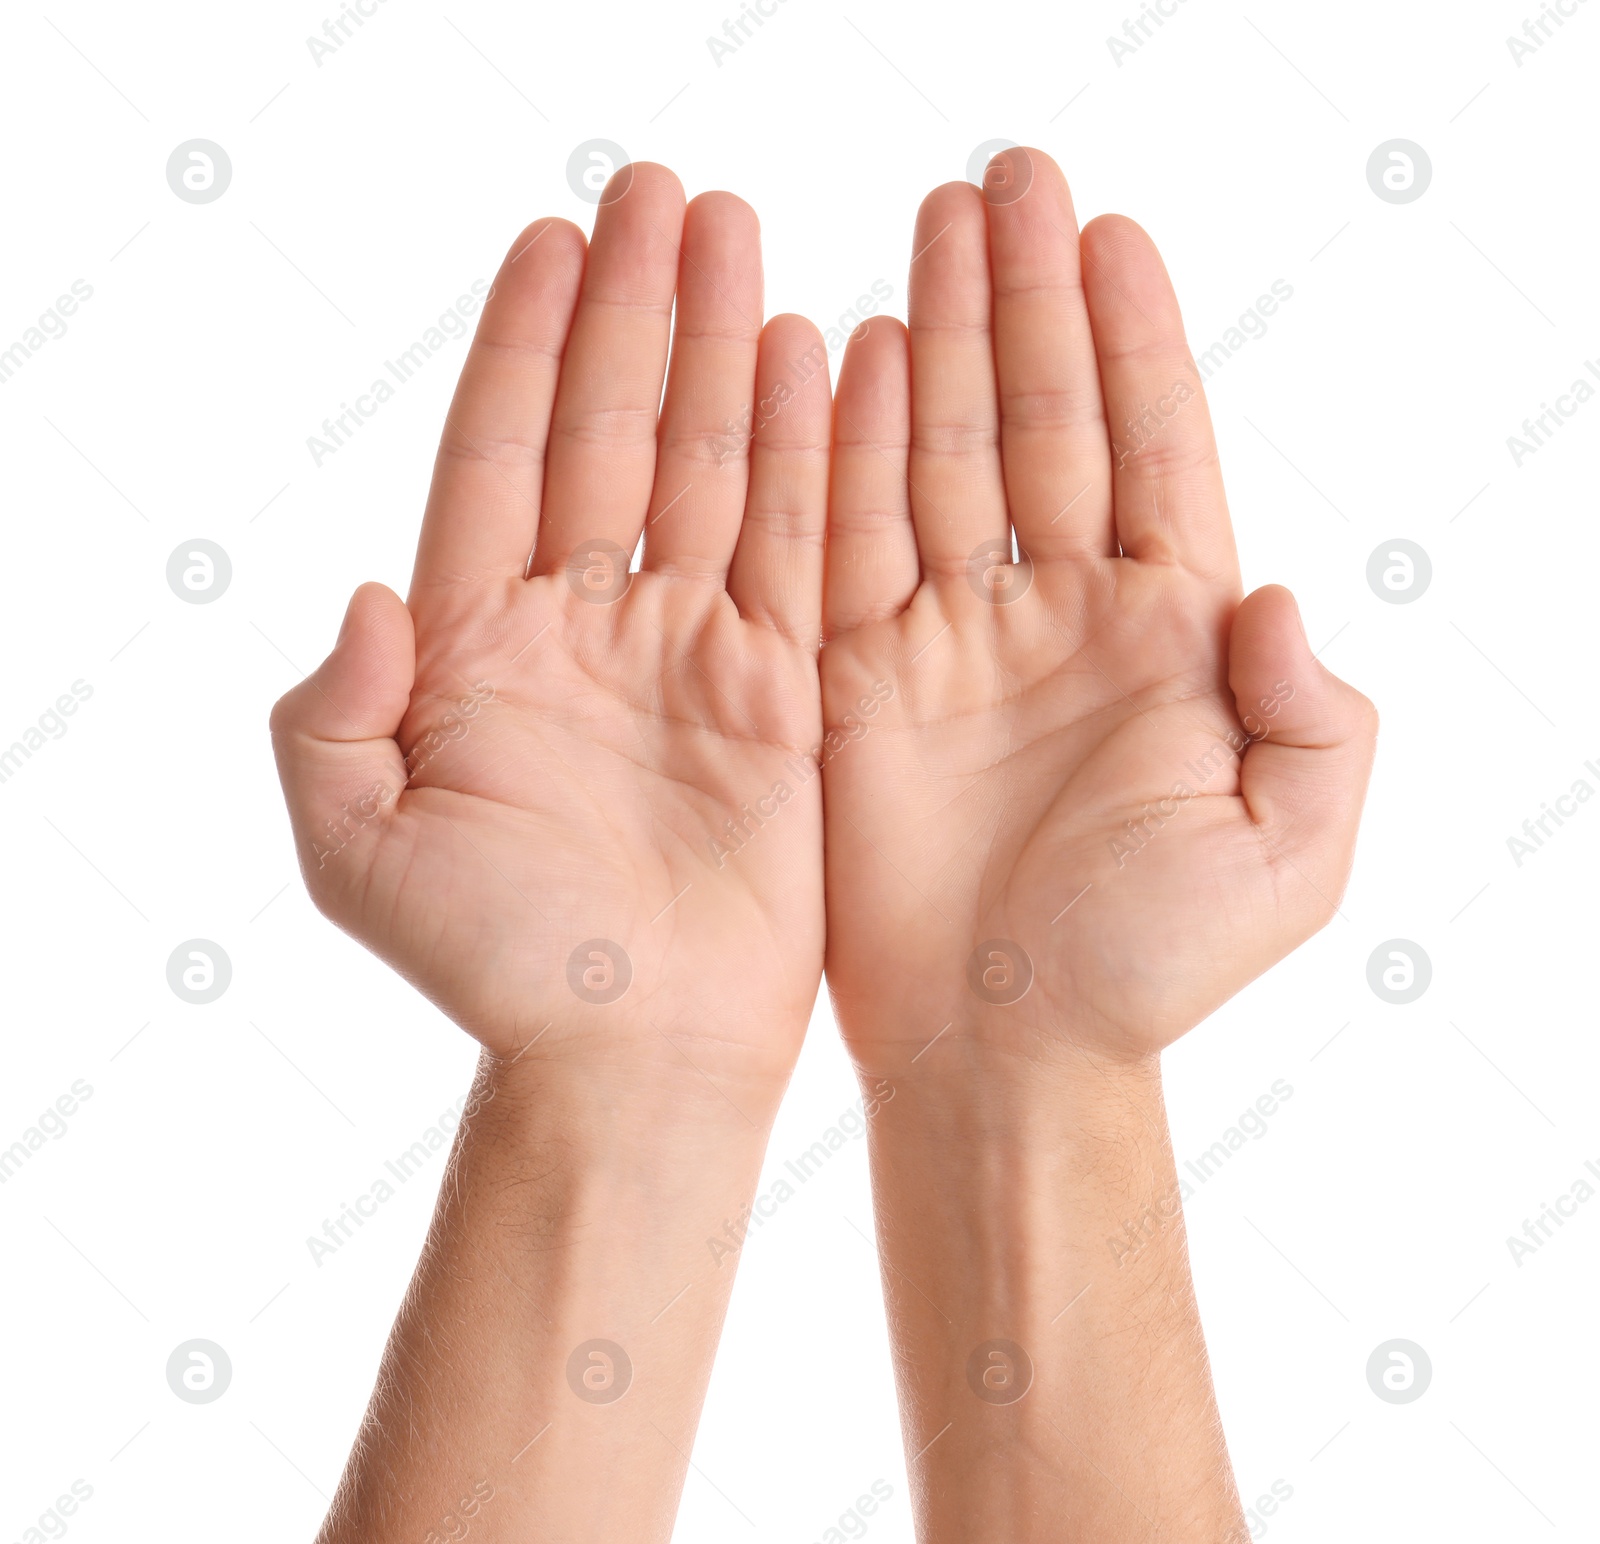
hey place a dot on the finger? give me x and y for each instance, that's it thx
(872, 568)
(958, 496)
(483, 508)
(603, 435)
(333, 735)
(1166, 478)
(1052, 422)
(776, 575)
(1304, 778)
(703, 462)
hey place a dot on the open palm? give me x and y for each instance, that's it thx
(546, 786)
(1102, 791)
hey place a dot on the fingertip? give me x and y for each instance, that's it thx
(1270, 654)
(1011, 175)
(373, 660)
(1126, 279)
(538, 281)
(647, 180)
(550, 233)
(724, 209)
(373, 593)
(1115, 244)
(375, 610)
(797, 344)
(776, 574)
(1042, 160)
(1113, 230)
(636, 250)
(874, 390)
(654, 174)
(878, 336)
(1273, 600)
(950, 201)
(722, 254)
(792, 382)
(795, 320)
(1268, 627)
(872, 563)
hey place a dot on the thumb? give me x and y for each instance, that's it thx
(1304, 778)
(333, 736)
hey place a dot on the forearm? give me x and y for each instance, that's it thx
(1040, 1209)
(569, 1215)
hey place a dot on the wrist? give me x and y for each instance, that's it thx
(636, 1086)
(1003, 1005)
(1031, 1229)
(566, 1310)
(1004, 1189)
(989, 1067)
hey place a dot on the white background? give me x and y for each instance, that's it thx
(367, 194)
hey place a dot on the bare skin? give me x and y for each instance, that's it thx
(582, 813)
(1104, 791)
(526, 767)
